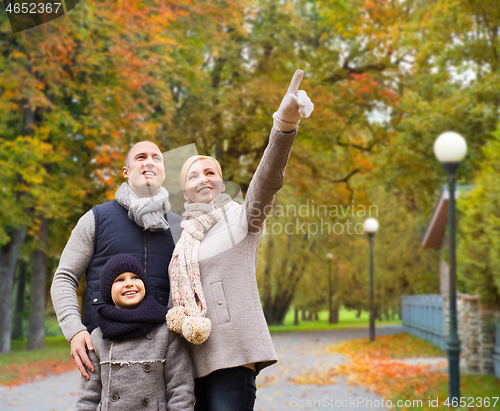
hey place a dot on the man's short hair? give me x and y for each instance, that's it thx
(127, 157)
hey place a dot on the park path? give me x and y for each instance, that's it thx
(299, 352)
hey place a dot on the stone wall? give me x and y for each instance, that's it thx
(476, 331)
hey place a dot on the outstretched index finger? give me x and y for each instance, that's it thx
(295, 83)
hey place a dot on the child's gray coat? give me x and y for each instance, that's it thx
(148, 373)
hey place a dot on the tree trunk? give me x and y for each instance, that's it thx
(267, 297)
(358, 314)
(334, 315)
(281, 312)
(286, 278)
(8, 260)
(296, 317)
(386, 314)
(36, 325)
(304, 315)
(17, 329)
(9, 252)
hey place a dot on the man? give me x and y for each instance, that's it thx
(137, 222)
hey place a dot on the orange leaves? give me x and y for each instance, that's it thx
(362, 87)
(388, 367)
(383, 365)
(388, 377)
(108, 162)
(24, 373)
(315, 378)
(389, 94)
(395, 346)
(268, 380)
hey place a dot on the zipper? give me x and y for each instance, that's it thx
(145, 253)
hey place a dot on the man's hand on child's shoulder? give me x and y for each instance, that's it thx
(79, 344)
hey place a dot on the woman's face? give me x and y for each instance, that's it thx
(203, 182)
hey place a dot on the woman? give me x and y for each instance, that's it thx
(214, 290)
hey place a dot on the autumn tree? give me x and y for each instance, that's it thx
(74, 94)
(386, 77)
(452, 83)
(478, 245)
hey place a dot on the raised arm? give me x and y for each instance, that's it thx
(74, 261)
(268, 178)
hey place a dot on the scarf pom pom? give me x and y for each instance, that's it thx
(196, 329)
(175, 318)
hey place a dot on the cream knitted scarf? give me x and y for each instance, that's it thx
(190, 308)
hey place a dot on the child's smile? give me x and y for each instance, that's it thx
(127, 291)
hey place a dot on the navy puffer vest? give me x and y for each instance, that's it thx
(116, 233)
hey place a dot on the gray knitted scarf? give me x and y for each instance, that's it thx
(148, 212)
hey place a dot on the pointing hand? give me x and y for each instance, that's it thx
(296, 104)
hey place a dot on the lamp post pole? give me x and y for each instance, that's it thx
(371, 227)
(450, 149)
(453, 342)
(329, 257)
(372, 309)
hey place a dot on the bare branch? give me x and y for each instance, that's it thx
(346, 178)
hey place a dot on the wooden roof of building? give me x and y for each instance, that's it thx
(437, 226)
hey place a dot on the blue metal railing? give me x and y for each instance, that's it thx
(496, 353)
(423, 317)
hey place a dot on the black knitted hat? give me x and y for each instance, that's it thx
(119, 264)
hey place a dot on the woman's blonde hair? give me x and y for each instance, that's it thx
(189, 162)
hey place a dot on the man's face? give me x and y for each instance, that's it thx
(145, 171)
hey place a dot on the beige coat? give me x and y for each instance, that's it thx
(227, 258)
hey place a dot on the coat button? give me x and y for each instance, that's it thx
(145, 401)
(147, 367)
(116, 367)
(149, 336)
(220, 302)
(115, 397)
(95, 300)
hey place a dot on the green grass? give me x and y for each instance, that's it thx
(52, 328)
(21, 365)
(55, 348)
(347, 320)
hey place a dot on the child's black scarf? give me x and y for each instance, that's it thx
(117, 324)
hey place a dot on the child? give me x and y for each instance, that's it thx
(138, 363)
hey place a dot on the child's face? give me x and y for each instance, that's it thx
(127, 291)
